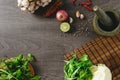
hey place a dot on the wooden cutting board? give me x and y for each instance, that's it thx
(104, 50)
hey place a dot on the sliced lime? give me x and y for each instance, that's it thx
(64, 27)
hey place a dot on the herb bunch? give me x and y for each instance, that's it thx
(17, 68)
(78, 69)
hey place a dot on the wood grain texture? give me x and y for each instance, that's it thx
(21, 32)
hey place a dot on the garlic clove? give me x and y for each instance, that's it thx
(70, 20)
(19, 3)
(25, 3)
(49, 0)
(24, 9)
(46, 3)
(77, 14)
(31, 7)
(82, 16)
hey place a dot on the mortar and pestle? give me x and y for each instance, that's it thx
(106, 22)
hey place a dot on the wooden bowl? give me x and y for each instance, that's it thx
(31, 70)
(30, 67)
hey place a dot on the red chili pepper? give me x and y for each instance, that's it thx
(88, 7)
(73, 1)
(85, 3)
(89, 0)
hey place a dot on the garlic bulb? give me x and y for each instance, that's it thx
(32, 5)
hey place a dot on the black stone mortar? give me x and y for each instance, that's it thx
(103, 29)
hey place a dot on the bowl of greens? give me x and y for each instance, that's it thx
(18, 68)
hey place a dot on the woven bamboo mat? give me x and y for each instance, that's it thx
(104, 50)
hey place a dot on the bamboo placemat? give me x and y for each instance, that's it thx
(104, 50)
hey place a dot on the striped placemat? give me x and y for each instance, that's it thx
(104, 50)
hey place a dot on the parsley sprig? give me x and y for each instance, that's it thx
(17, 68)
(78, 69)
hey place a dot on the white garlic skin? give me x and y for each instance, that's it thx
(82, 16)
(70, 20)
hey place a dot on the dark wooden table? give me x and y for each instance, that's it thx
(26, 33)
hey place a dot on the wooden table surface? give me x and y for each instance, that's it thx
(24, 33)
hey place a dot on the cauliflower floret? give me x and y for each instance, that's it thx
(101, 72)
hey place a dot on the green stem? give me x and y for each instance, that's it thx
(70, 78)
(8, 73)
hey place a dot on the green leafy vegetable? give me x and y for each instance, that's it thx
(17, 68)
(78, 70)
(84, 58)
(30, 57)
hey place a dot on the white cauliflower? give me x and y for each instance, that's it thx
(101, 72)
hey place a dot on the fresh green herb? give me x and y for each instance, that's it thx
(78, 70)
(17, 68)
(30, 57)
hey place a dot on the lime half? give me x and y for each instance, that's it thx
(65, 27)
